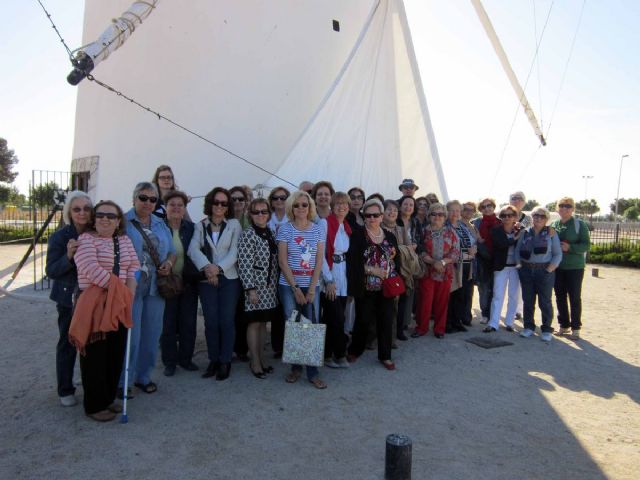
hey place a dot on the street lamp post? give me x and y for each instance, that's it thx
(586, 182)
(619, 178)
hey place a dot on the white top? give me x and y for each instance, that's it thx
(338, 273)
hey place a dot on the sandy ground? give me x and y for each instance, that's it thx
(566, 410)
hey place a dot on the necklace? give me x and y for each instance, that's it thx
(375, 237)
(436, 233)
(216, 225)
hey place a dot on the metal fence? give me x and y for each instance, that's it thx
(615, 237)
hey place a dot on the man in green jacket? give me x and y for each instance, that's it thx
(575, 242)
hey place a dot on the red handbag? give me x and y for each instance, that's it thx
(393, 286)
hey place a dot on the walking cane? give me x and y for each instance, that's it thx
(125, 390)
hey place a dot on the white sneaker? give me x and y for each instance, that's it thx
(331, 363)
(526, 333)
(546, 336)
(563, 331)
(68, 400)
(575, 335)
(484, 320)
(343, 362)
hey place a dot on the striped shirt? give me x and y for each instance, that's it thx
(94, 260)
(302, 249)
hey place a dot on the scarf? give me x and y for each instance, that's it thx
(487, 223)
(333, 224)
(267, 235)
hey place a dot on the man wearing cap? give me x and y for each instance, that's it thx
(408, 188)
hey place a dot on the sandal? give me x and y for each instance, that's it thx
(147, 387)
(292, 377)
(319, 384)
(268, 369)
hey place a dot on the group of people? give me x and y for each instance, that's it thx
(369, 268)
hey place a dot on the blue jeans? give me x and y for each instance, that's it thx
(219, 308)
(288, 301)
(537, 282)
(179, 327)
(147, 315)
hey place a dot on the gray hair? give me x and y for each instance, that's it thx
(371, 203)
(144, 186)
(71, 196)
(436, 206)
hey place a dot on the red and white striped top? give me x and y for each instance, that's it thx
(94, 260)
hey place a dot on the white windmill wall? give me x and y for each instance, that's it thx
(251, 75)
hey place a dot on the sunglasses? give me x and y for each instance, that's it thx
(219, 203)
(486, 205)
(539, 215)
(110, 216)
(507, 215)
(565, 205)
(81, 209)
(282, 198)
(372, 215)
(300, 205)
(356, 197)
(147, 198)
(165, 177)
(437, 214)
(468, 210)
(513, 199)
(260, 212)
(237, 199)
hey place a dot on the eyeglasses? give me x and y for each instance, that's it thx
(147, 198)
(282, 198)
(468, 210)
(372, 215)
(506, 215)
(110, 216)
(86, 208)
(539, 215)
(565, 205)
(237, 199)
(300, 205)
(356, 197)
(408, 187)
(437, 214)
(423, 204)
(219, 203)
(165, 177)
(260, 212)
(486, 205)
(514, 198)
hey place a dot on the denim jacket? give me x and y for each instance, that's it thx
(546, 241)
(59, 268)
(164, 237)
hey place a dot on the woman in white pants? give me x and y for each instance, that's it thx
(505, 274)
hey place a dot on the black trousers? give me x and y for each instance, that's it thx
(568, 284)
(374, 307)
(333, 317)
(179, 325)
(277, 330)
(101, 368)
(240, 345)
(459, 310)
(65, 353)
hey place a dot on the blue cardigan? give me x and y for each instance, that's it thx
(59, 268)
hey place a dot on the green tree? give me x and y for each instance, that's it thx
(10, 194)
(632, 213)
(43, 195)
(624, 204)
(587, 207)
(551, 206)
(7, 161)
(530, 205)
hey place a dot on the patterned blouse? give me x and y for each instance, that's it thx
(441, 244)
(378, 255)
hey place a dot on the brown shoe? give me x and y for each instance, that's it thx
(115, 408)
(102, 416)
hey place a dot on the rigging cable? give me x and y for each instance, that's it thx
(515, 115)
(535, 38)
(158, 114)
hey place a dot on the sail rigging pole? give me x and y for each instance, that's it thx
(86, 58)
(504, 61)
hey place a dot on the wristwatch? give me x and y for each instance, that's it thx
(294, 288)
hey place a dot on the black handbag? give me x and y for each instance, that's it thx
(169, 286)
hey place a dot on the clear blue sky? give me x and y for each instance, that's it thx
(472, 106)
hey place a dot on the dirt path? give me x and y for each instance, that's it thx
(567, 410)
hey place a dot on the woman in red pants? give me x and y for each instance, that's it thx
(441, 250)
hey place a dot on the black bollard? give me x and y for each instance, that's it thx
(397, 462)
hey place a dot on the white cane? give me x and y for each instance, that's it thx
(125, 390)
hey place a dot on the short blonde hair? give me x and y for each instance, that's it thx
(436, 206)
(293, 198)
(492, 201)
(508, 207)
(452, 203)
(340, 197)
(566, 200)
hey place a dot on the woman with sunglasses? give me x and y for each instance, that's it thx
(574, 241)
(239, 205)
(538, 254)
(440, 251)
(505, 273)
(214, 252)
(258, 270)
(106, 260)
(354, 217)
(301, 245)
(61, 268)
(277, 203)
(484, 262)
(153, 242)
(371, 258)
